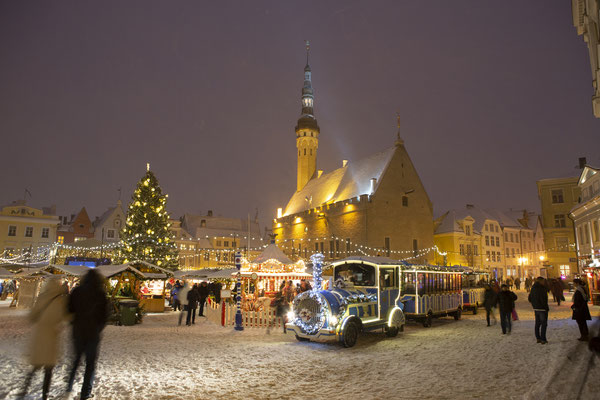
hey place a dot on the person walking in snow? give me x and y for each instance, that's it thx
(581, 311)
(518, 283)
(203, 294)
(89, 307)
(48, 313)
(538, 297)
(183, 299)
(506, 304)
(557, 289)
(192, 298)
(528, 284)
(490, 300)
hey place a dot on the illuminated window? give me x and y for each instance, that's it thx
(565, 270)
(60, 239)
(206, 256)
(461, 249)
(79, 238)
(12, 230)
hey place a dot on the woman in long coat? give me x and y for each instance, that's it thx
(48, 313)
(581, 312)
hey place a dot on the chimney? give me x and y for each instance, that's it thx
(470, 206)
(344, 162)
(373, 184)
(209, 213)
(319, 173)
(582, 162)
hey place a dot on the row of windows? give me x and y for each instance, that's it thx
(226, 243)
(510, 237)
(12, 231)
(493, 256)
(491, 228)
(305, 152)
(468, 250)
(492, 241)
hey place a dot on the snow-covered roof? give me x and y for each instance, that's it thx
(449, 221)
(107, 214)
(272, 252)
(206, 273)
(153, 269)
(352, 180)
(72, 270)
(374, 260)
(111, 270)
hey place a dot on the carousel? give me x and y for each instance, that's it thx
(263, 277)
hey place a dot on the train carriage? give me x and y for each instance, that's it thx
(472, 288)
(374, 293)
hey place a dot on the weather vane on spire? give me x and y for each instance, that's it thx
(398, 138)
(307, 49)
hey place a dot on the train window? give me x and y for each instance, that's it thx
(408, 283)
(359, 274)
(388, 277)
(421, 284)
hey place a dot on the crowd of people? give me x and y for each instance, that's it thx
(501, 296)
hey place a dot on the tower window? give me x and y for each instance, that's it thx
(311, 134)
(304, 133)
(304, 151)
(298, 153)
(311, 152)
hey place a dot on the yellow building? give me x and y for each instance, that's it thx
(27, 234)
(586, 217)
(373, 206)
(558, 196)
(586, 18)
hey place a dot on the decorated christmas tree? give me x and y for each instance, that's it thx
(146, 235)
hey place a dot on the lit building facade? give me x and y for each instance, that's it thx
(557, 197)
(374, 206)
(586, 18)
(107, 227)
(27, 234)
(586, 217)
(76, 228)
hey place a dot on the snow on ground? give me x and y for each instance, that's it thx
(451, 360)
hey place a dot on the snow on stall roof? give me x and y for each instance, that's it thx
(5, 274)
(352, 180)
(206, 273)
(111, 270)
(272, 252)
(155, 268)
(72, 270)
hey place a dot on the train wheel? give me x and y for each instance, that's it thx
(392, 331)
(458, 313)
(350, 335)
(428, 320)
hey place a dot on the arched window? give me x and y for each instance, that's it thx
(304, 151)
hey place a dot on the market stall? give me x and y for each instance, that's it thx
(29, 284)
(138, 280)
(592, 273)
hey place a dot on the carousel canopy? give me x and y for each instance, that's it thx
(272, 252)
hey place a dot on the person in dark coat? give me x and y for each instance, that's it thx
(581, 311)
(538, 297)
(89, 307)
(490, 299)
(218, 287)
(518, 283)
(506, 303)
(557, 290)
(192, 299)
(203, 294)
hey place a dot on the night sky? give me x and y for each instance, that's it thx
(493, 96)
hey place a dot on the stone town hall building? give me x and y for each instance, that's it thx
(374, 206)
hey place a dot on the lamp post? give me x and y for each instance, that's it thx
(238, 313)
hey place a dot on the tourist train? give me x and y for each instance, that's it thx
(367, 294)
(472, 288)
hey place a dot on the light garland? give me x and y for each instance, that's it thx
(317, 262)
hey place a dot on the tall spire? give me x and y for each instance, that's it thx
(307, 131)
(307, 90)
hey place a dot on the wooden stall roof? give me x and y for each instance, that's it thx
(108, 271)
(206, 273)
(31, 273)
(150, 270)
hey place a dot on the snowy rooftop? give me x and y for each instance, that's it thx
(352, 180)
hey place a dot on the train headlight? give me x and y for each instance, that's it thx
(333, 321)
(291, 315)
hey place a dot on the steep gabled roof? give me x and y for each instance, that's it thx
(107, 214)
(352, 180)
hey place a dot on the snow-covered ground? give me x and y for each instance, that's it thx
(452, 360)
